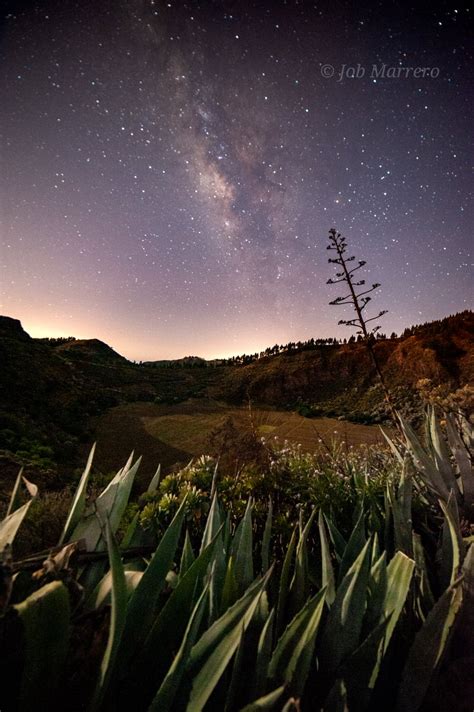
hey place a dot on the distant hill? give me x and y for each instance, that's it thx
(179, 362)
(340, 379)
(52, 390)
(89, 349)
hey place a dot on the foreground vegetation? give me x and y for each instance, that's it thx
(299, 582)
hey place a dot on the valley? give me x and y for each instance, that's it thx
(170, 434)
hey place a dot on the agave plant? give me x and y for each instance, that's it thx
(444, 462)
(219, 626)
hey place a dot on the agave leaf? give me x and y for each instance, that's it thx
(377, 593)
(440, 457)
(128, 464)
(393, 447)
(131, 533)
(427, 649)
(262, 612)
(401, 510)
(360, 670)
(424, 464)
(426, 599)
(452, 543)
(388, 536)
(214, 479)
(354, 546)
(266, 703)
(218, 578)
(293, 654)
(466, 431)
(15, 496)
(399, 575)
(187, 557)
(344, 623)
(336, 701)
(264, 654)
(213, 523)
(242, 553)
(141, 606)
(168, 628)
(155, 481)
(241, 681)
(103, 592)
(228, 621)
(338, 541)
(10, 525)
(463, 461)
(117, 619)
(212, 653)
(227, 535)
(299, 586)
(435, 434)
(45, 619)
(327, 573)
(266, 538)
(31, 487)
(375, 554)
(79, 501)
(164, 698)
(468, 572)
(110, 505)
(230, 591)
(284, 583)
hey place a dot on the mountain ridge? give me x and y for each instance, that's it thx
(53, 390)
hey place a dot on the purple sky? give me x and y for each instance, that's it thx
(170, 171)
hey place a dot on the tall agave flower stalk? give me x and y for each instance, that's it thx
(359, 300)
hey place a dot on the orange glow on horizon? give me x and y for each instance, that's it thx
(141, 347)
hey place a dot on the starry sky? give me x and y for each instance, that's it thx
(170, 170)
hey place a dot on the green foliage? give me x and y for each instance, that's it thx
(295, 480)
(78, 504)
(215, 603)
(45, 617)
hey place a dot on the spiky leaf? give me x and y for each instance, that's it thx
(45, 618)
(117, 619)
(10, 525)
(427, 649)
(79, 501)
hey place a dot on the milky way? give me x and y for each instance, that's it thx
(170, 170)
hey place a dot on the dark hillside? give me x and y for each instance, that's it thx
(51, 391)
(341, 379)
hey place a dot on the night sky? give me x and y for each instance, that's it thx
(170, 170)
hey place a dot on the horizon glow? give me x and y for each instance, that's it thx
(170, 171)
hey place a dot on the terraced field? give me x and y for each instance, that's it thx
(169, 434)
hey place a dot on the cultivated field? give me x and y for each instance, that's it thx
(168, 434)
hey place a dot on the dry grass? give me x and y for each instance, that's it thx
(175, 433)
(190, 431)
